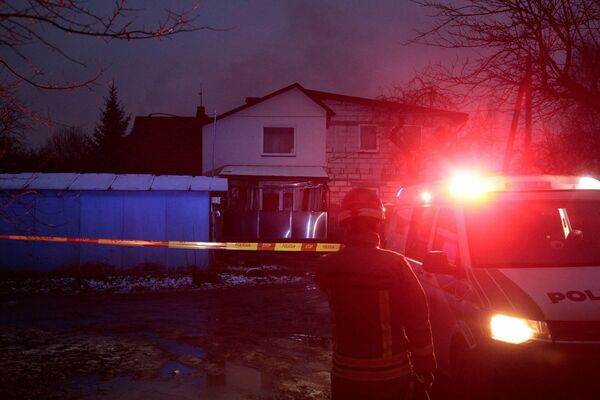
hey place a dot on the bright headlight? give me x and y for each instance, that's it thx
(517, 330)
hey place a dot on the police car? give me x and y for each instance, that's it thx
(511, 268)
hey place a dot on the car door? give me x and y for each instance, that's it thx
(418, 243)
(445, 290)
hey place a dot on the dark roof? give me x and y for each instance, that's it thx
(165, 145)
(320, 97)
(377, 103)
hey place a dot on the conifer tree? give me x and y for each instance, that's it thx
(109, 135)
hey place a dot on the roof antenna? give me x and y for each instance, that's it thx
(201, 100)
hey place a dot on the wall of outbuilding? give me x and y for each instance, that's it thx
(135, 215)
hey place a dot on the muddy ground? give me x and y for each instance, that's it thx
(258, 338)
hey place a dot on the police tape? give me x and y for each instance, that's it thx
(247, 246)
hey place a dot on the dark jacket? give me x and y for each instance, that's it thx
(381, 328)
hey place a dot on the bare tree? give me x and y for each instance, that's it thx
(424, 91)
(502, 36)
(27, 25)
(570, 143)
(67, 150)
(12, 123)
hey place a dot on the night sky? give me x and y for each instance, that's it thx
(349, 47)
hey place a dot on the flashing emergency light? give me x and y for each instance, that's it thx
(426, 197)
(468, 185)
(586, 182)
(517, 330)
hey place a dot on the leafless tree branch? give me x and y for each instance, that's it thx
(31, 22)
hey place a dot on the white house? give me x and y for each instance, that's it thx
(285, 128)
(273, 152)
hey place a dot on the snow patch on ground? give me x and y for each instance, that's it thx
(137, 283)
(129, 283)
(243, 269)
(243, 280)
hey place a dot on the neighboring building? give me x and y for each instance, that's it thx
(291, 155)
(104, 206)
(163, 144)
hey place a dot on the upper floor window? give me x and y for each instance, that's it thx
(278, 140)
(368, 138)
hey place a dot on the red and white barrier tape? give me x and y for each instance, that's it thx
(248, 246)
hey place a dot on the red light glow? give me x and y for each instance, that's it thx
(468, 185)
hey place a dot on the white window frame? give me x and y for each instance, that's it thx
(376, 149)
(262, 142)
(280, 194)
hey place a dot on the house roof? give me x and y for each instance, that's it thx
(321, 97)
(257, 100)
(377, 103)
(276, 171)
(113, 182)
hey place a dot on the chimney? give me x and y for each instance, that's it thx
(201, 112)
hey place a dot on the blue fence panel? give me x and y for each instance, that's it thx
(187, 220)
(101, 217)
(56, 214)
(144, 219)
(17, 218)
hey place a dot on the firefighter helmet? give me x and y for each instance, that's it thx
(361, 203)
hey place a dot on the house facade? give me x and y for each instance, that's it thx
(291, 156)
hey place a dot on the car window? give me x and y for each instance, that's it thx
(397, 230)
(419, 232)
(534, 234)
(445, 237)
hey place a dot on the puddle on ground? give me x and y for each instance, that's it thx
(85, 385)
(245, 378)
(175, 379)
(175, 348)
(126, 388)
(174, 369)
(231, 381)
(180, 349)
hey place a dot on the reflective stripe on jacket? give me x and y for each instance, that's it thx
(380, 319)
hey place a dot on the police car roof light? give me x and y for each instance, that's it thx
(426, 197)
(468, 185)
(586, 182)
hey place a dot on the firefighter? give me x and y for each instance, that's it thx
(380, 321)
